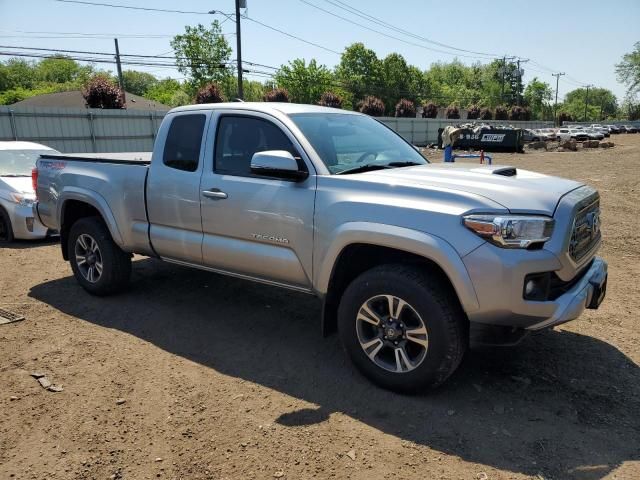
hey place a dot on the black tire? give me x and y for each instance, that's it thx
(116, 264)
(6, 230)
(445, 321)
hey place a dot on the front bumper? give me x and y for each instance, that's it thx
(588, 292)
(25, 225)
(498, 276)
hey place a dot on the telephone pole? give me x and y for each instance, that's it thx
(119, 67)
(555, 107)
(239, 46)
(586, 102)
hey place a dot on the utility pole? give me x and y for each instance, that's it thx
(504, 68)
(239, 46)
(119, 67)
(555, 107)
(586, 102)
(520, 85)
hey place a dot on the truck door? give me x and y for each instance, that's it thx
(173, 188)
(255, 226)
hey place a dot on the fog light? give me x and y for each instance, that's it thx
(536, 287)
(29, 221)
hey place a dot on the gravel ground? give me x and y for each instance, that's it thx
(196, 376)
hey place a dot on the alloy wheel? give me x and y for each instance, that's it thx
(88, 258)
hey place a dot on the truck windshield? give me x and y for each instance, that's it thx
(18, 163)
(355, 143)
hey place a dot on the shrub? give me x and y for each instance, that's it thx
(210, 93)
(101, 92)
(485, 114)
(429, 110)
(520, 113)
(474, 112)
(277, 95)
(452, 112)
(330, 99)
(501, 113)
(565, 117)
(405, 108)
(372, 106)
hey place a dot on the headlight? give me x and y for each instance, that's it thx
(511, 231)
(23, 199)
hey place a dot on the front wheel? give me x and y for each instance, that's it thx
(401, 328)
(98, 264)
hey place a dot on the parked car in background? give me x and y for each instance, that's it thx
(613, 129)
(547, 134)
(631, 128)
(594, 134)
(563, 134)
(579, 134)
(602, 129)
(17, 195)
(530, 135)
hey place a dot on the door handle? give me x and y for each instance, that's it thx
(214, 194)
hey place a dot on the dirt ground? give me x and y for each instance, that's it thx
(196, 376)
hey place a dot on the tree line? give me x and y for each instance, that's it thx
(360, 81)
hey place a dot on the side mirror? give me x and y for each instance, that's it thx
(277, 164)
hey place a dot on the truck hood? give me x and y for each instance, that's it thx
(16, 184)
(519, 191)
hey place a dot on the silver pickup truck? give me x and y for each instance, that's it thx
(408, 257)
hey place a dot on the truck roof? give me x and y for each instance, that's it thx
(286, 108)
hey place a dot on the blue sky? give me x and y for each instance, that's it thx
(583, 38)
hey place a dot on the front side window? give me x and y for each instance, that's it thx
(345, 141)
(182, 148)
(238, 138)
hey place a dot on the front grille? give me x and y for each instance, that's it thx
(586, 229)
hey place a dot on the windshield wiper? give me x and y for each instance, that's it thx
(367, 167)
(404, 164)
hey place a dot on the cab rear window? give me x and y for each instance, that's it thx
(182, 148)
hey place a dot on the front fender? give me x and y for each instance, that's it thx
(97, 201)
(426, 245)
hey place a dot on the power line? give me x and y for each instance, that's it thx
(383, 33)
(131, 7)
(290, 35)
(371, 18)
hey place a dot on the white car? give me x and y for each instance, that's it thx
(16, 191)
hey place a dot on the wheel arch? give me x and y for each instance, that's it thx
(75, 205)
(357, 250)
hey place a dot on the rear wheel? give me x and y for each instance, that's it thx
(401, 328)
(6, 230)
(98, 264)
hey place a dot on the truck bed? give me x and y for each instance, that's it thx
(113, 183)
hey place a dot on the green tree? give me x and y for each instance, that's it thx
(602, 103)
(138, 83)
(164, 91)
(19, 73)
(62, 69)
(202, 54)
(396, 81)
(305, 83)
(359, 71)
(628, 70)
(537, 96)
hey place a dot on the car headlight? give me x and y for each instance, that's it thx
(23, 199)
(511, 231)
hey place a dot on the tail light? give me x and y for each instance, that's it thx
(34, 180)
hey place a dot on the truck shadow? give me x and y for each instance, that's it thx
(561, 404)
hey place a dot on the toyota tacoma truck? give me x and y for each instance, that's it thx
(408, 257)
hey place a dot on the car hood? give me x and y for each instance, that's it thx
(16, 184)
(523, 192)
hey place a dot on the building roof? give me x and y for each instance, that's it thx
(74, 99)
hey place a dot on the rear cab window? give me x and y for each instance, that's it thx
(184, 139)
